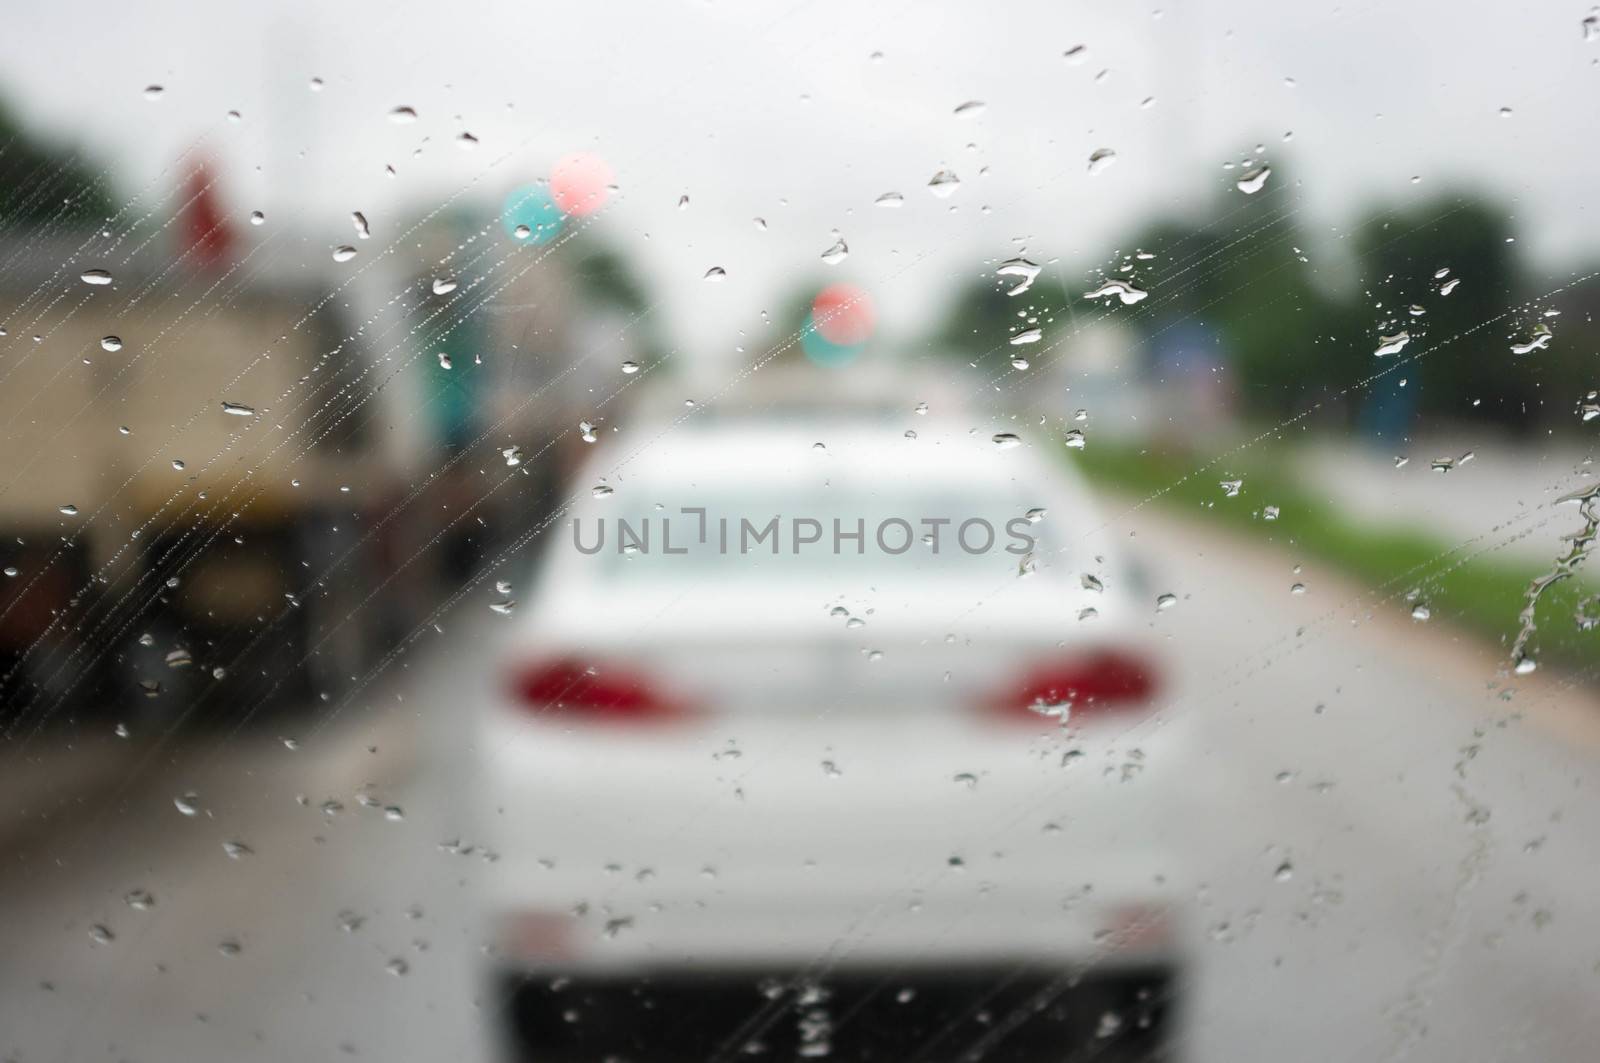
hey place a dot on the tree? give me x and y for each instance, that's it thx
(1243, 271)
(44, 184)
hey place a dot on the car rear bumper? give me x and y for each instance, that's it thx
(995, 1012)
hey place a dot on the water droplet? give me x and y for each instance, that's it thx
(1421, 611)
(444, 360)
(1166, 601)
(140, 900)
(443, 285)
(403, 115)
(257, 218)
(970, 109)
(101, 934)
(1031, 335)
(629, 368)
(229, 947)
(587, 432)
(466, 141)
(503, 608)
(1394, 344)
(1230, 488)
(1449, 286)
(1006, 440)
(394, 814)
(890, 199)
(1525, 666)
(1018, 267)
(837, 252)
(95, 276)
(238, 409)
(944, 183)
(69, 510)
(715, 273)
(1285, 872)
(344, 253)
(603, 491)
(188, 803)
(1075, 438)
(1253, 180)
(1537, 340)
(111, 343)
(1101, 159)
(1124, 290)
(237, 850)
(513, 455)
(154, 92)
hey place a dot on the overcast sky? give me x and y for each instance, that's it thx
(782, 111)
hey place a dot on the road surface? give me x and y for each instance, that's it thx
(1390, 850)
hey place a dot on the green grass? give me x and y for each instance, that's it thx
(1484, 593)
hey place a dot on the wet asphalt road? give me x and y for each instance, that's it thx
(1389, 851)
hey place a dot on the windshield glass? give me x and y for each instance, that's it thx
(799, 530)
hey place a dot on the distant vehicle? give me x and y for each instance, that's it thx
(209, 513)
(805, 798)
(188, 507)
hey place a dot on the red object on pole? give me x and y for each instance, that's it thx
(207, 236)
(580, 184)
(842, 314)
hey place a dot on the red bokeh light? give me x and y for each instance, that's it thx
(580, 184)
(843, 314)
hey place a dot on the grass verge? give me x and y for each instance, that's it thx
(1463, 584)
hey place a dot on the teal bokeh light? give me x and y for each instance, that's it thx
(824, 352)
(531, 205)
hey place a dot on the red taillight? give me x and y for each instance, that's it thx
(572, 688)
(1090, 683)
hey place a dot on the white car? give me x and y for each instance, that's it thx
(870, 798)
